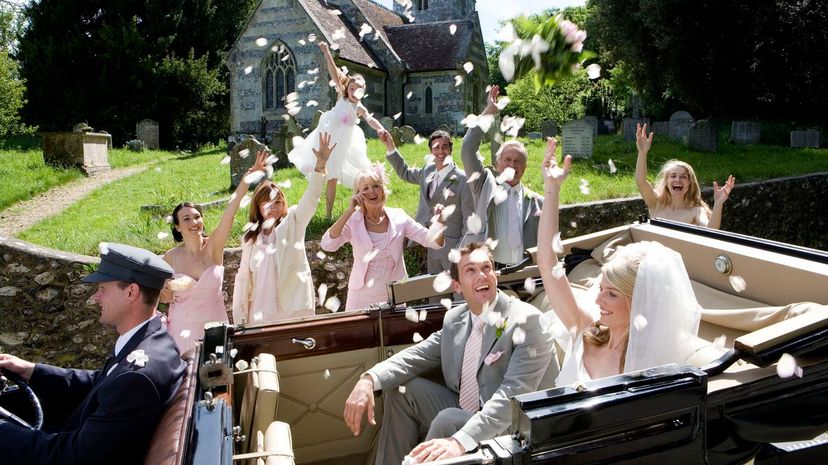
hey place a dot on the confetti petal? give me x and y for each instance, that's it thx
(491, 243)
(612, 167)
(254, 177)
(418, 139)
(397, 116)
(468, 67)
(162, 235)
(401, 388)
(225, 160)
(557, 245)
(245, 201)
(417, 338)
(529, 285)
(322, 291)
(320, 255)
(442, 282)
(507, 175)
(558, 271)
(233, 353)
(737, 283)
(639, 322)
(502, 102)
(473, 224)
(244, 153)
(452, 29)
(326, 374)
(261, 42)
(242, 365)
(458, 80)
(408, 95)
(248, 70)
(423, 315)
(446, 303)
(454, 256)
(333, 304)
(412, 315)
(594, 71)
(185, 333)
(518, 336)
(473, 177)
(787, 367)
(364, 30)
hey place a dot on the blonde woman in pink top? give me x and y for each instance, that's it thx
(377, 234)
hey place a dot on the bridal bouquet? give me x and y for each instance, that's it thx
(550, 46)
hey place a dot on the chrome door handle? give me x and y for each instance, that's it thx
(309, 343)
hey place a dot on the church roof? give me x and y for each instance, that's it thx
(431, 46)
(351, 48)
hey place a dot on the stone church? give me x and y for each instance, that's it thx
(411, 59)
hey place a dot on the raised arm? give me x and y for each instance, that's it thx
(362, 112)
(471, 145)
(405, 172)
(218, 239)
(720, 196)
(643, 142)
(333, 70)
(558, 291)
(306, 208)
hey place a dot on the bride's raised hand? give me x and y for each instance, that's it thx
(553, 174)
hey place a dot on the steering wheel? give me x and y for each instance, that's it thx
(5, 376)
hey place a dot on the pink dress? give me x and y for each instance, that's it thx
(192, 308)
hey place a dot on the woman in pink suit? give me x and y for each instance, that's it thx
(377, 234)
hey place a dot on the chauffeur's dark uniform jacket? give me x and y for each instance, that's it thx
(94, 418)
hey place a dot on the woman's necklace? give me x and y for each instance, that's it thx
(375, 223)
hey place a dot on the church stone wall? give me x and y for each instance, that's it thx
(275, 20)
(447, 101)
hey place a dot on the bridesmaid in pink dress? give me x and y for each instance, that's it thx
(194, 293)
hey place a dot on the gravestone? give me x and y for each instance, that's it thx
(661, 127)
(146, 130)
(445, 128)
(609, 126)
(803, 139)
(293, 126)
(593, 120)
(534, 136)
(577, 139)
(549, 129)
(242, 158)
(680, 123)
(702, 136)
(396, 134)
(315, 120)
(387, 122)
(86, 150)
(281, 142)
(745, 132)
(630, 126)
(408, 134)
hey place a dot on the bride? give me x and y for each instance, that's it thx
(648, 311)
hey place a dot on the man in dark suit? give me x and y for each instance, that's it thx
(108, 415)
(441, 182)
(489, 349)
(507, 209)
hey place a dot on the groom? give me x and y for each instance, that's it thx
(109, 415)
(485, 360)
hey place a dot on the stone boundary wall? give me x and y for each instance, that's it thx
(46, 312)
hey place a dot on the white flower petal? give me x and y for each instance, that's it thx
(458, 80)
(364, 30)
(320, 255)
(244, 153)
(401, 388)
(473, 177)
(258, 316)
(423, 315)
(225, 160)
(491, 243)
(557, 245)
(261, 42)
(612, 167)
(442, 282)
(419, 139)
(558, 271)
(529, 285)
(185, 333)
(326, 374)
(479, 255)
(412, 315)
(639, 322)
(737, 283)
(370, 256)
(446, 303)
(787, 367)
(468, 67)
(408, 95)
(454, 256)
(248, 70)
(452, 29)
(417, 338)
(518, 336)
(594, 71)
(254, 177)
(507, 175)
(322, 291)
(242, 365)
(473, 224)
(397, 116)
(333, 304)
(502, 102)
(162, 235)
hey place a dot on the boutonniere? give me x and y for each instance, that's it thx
(138, 358)
(496, 319)
(452, 179)
(500, 326)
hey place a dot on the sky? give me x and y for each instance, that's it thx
(492, 11)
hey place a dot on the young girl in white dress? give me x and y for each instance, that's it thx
(677, 194)
(351, 153)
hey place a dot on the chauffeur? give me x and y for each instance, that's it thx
(106, 415)
(485, 360)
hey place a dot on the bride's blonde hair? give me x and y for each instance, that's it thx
(621, 271)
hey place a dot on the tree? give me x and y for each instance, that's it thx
(11, 85)
(740, 58)
(114, 62)
(565, 101)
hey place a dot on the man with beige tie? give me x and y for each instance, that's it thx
(489, 349)
(508, 210)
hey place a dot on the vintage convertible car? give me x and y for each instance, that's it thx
(283, 404)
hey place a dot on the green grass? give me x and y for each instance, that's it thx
(113, 213)
(23, 174)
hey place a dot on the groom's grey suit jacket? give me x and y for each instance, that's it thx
(520, 368)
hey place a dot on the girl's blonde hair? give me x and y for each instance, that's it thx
(692, 197)
(347, 79)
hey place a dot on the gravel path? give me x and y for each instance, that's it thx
(23, 214)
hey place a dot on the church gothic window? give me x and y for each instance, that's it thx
(429, 105)
(422, 5)
(279, 77)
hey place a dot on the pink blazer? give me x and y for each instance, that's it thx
(400, 226)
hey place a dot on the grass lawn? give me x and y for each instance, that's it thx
(23, 174)
(113, 213)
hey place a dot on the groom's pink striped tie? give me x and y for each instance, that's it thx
(469, 390)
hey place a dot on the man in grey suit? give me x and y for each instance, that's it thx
(508, 210)
(489, 349)
(440, 183)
